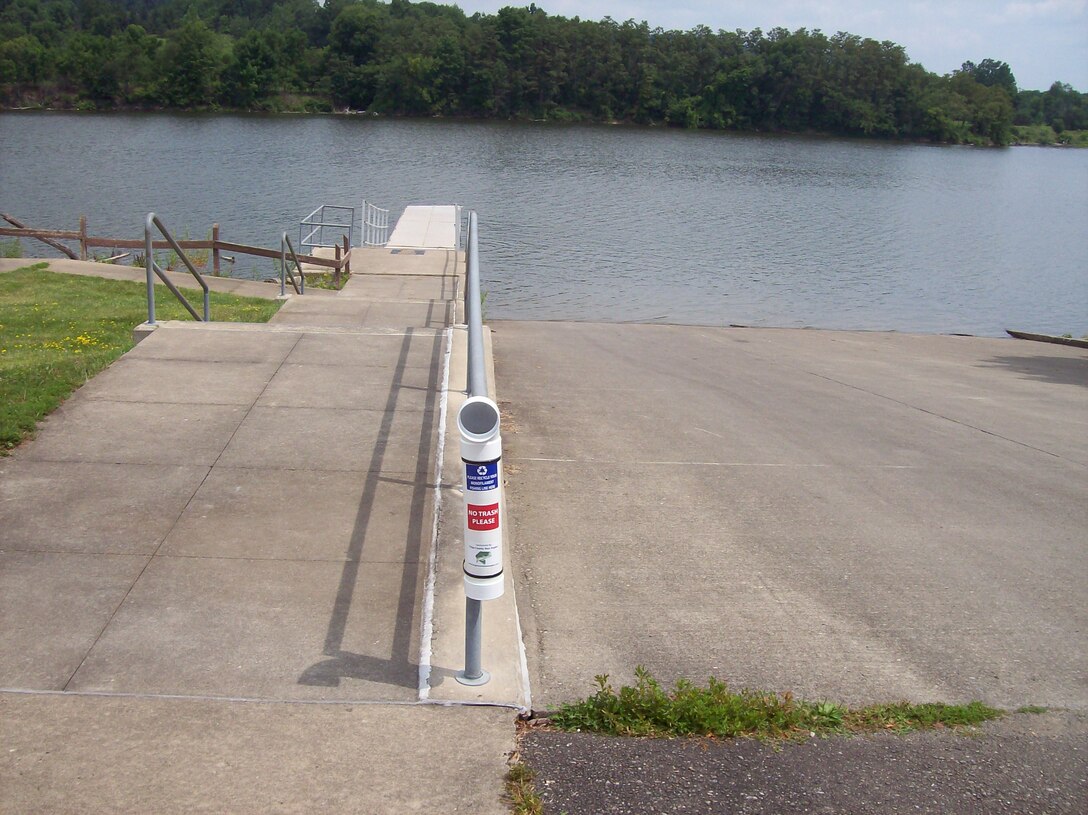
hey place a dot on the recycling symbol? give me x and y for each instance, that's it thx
(481, 470)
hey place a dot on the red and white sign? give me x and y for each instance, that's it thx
(483, 517)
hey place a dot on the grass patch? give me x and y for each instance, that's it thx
(10, 248)
(647, 709)
(1033, 709)
(322, 280)
(1045, 134)
(59, 330)
(521, 791)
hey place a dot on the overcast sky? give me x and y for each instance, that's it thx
(1042, 40)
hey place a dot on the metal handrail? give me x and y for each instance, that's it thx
(153, 267)
(300, 285)
(316, 219)
(477, 370)
(375, 225)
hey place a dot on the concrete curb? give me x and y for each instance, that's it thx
(503, 651)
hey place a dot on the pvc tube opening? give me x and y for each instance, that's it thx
(478, 419)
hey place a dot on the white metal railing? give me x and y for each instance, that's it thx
(375, 225)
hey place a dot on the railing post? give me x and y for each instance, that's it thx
(336, 269)
(82, 237)
(149, 260)
(283, 265)
(215, 249)
(347, 255)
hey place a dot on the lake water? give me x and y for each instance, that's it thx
(610, 223)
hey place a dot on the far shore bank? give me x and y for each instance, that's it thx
(1077, 138)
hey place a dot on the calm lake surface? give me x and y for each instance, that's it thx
(609, 223)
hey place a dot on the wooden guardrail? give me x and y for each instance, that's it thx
(339, 263)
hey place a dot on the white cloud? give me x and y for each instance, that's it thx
(1029, 9)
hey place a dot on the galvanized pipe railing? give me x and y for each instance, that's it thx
(153, 268)
(477, 369)
(481, 454)
(318, 219)
(285, 270)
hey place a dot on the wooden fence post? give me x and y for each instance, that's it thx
(336, 270)
(215, 249)
(82, 237)
(347, 256)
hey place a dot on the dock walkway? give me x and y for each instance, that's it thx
(213, 568)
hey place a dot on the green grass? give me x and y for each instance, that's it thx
(10, 248)
(647, 709)
(1045, 134)
(324, 280)
(1035, 710)
(59, 330)
(521, 791)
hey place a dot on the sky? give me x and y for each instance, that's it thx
(1043, 41)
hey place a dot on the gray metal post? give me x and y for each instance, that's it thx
(283, 265)
(474, 674)
(149, 260)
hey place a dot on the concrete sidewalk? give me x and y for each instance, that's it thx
(213, 565)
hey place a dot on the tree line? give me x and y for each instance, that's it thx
(424, 59)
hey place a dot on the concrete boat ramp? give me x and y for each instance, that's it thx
(230, 568)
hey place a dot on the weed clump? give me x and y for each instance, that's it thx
(647, 709)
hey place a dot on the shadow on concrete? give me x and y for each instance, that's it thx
(1062, 370)
(401, 668)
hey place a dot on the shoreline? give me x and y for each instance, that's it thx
(575, 120)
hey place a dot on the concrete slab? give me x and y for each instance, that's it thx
(91, 508)
(431, 314)
(78, 753)
(135, 433)
(375, 287)
(198, 342)
(949, 376)
(350, 387)
(335, 516)
(153, 381)
(54, 606)
(326, 439)
(262, 629)
(412, 348)
(829, 515)
(360, 313)
(426, 227)
(379, 261)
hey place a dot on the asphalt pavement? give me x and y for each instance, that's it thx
(1024, 764)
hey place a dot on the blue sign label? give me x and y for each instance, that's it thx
(482, 477)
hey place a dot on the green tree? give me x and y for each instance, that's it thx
(190, 65)
(23, 60)
(992, 73)
(254, 70)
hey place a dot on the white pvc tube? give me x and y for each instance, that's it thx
(481, 454)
